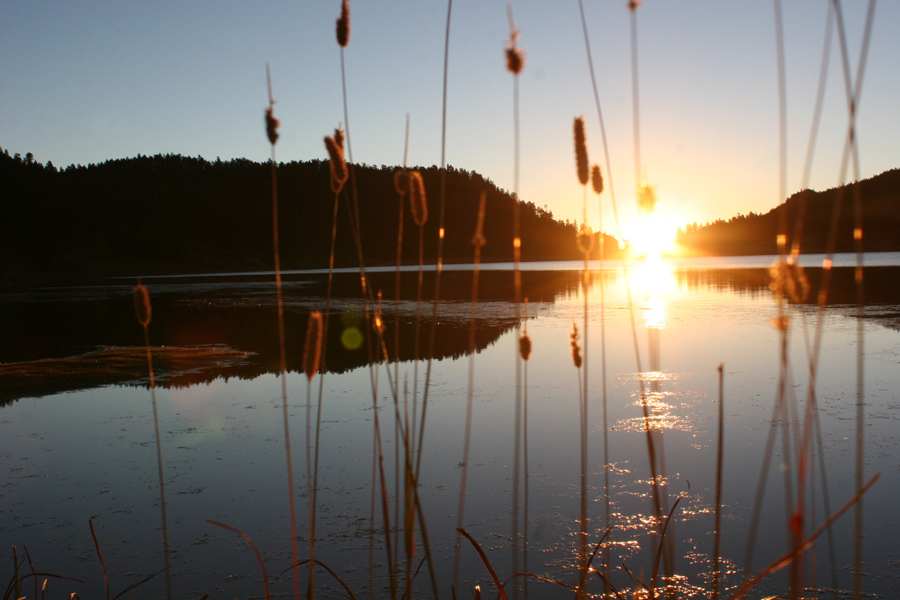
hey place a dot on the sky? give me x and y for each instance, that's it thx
(82, 82)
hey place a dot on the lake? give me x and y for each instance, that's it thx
(77, 425)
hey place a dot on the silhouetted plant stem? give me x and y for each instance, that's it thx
(163, 517)
(478, 242)
(401, 206)
(261, 564)
(440, 244)
(625, 268)
(719, 462)
(271, 129)
(852, 107)
(514, 64)
(319, 403)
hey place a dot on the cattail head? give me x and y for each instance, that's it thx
(525, 346)
(74, 596)
(336, 162)
(646, 198)
(339, 137)
(418, 200)
(312, 348)
(401, 182)
(585, 239)
(343, 25)
(477, 593)
(597, 179)
(515, 60)
(576, 349)
(581, 156)
(271, 126)
(633, 5)
(142, 308)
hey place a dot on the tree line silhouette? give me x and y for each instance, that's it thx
(176, 214)
(755, 233)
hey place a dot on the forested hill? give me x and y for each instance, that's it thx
(176, 214)
(755, 233)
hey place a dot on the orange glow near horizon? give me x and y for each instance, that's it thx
(652, 235)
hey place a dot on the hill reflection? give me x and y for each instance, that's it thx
(72, 338)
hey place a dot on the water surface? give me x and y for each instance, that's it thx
(77, 436)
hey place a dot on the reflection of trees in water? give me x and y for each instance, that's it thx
(239, 315)
(236, 319)
(880, 283)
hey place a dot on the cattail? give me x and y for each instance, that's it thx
(477, 593)
(343, 25)
(633, 5)
(581, 156)
(312, 349)
(336, 162)
(576, 349)
(585, 239)
(525, 346)
(271, 126)
(401, 182)
(646, 199)
(597, 179)
(142, 308)
(515, 58)
(418, 201)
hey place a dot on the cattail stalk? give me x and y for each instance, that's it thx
(272, 133)
(719, 461)
(144, 313)
(439, 259)
(312, 358)
(401, 186)
(515, 61)
(339, 175)
(478, 242)
(418, 206)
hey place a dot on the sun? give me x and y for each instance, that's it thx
(651, 235)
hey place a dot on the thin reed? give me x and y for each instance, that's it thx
(144, 313)
(478, 243)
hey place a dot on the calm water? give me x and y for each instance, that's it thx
(77, 438)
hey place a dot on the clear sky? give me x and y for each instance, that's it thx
(85, 81)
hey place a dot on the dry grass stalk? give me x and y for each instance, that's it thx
(100, 557)
(272, 134)
(143, 312)
(312, 356)
(719, 462)
(260, 563)
(336, 161)
(806, 544)
(312, 347)
(515, 62)
(478, 243)
(501, 589)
